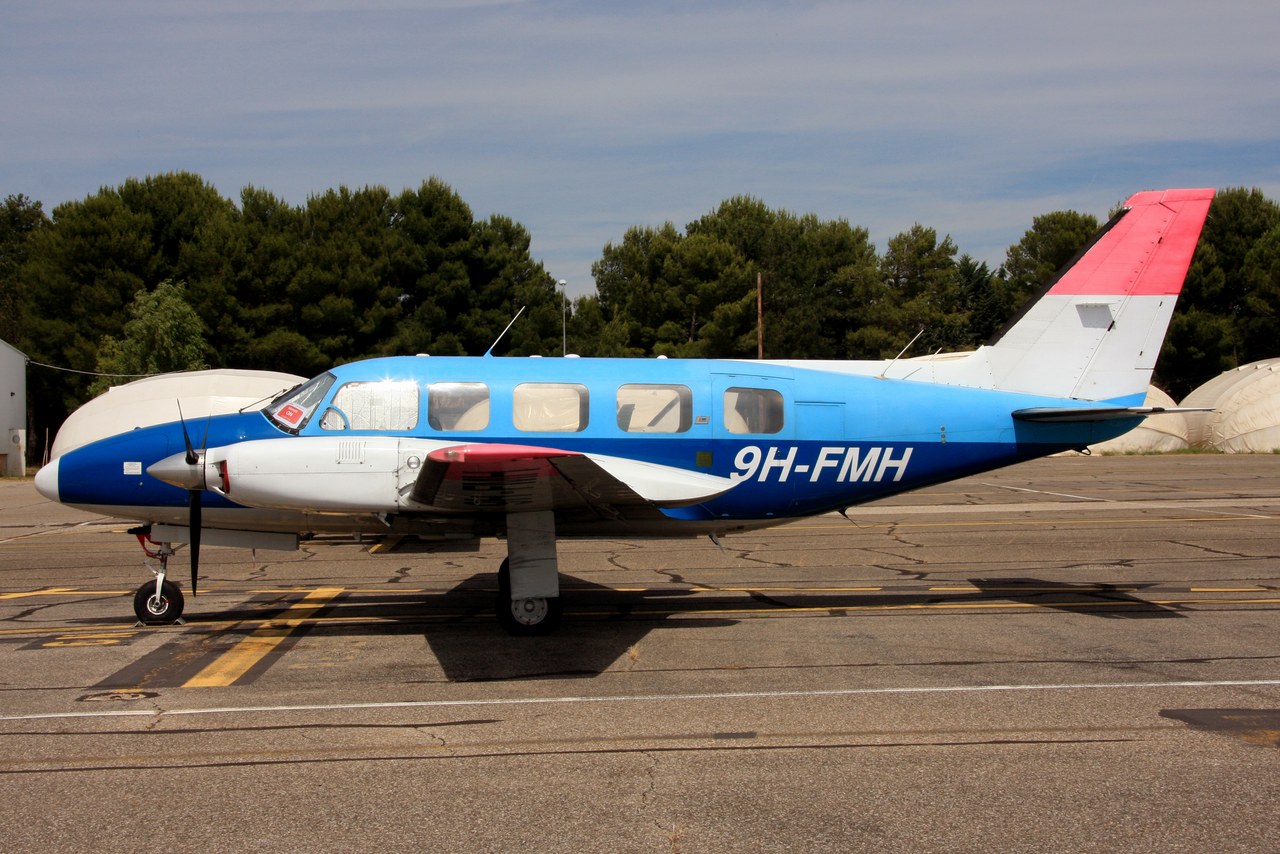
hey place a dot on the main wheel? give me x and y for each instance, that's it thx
(524, 617)
(161, 610)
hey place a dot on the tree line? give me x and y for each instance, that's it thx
(164, 273)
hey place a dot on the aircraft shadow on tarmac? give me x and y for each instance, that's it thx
(603, 624)
(1099, 600)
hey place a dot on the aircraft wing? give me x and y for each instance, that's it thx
(382, 475)
(500, 478)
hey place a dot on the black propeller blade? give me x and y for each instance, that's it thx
(194, 515)
(193, 512)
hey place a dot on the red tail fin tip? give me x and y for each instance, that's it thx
(1125, 260)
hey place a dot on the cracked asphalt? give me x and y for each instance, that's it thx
(1077, 654)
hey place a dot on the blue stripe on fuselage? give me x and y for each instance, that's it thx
(113, 471)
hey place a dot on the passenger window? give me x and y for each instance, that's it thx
(752, 410)
(550, 407)
(381, 405)
(655, 408)
(458, 407)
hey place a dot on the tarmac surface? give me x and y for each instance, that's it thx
(1075, 654)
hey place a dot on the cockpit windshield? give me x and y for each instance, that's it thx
(292, 410)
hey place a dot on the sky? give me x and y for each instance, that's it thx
(582, 118)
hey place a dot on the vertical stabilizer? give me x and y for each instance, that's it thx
(1094, 334)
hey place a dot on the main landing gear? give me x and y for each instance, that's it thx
(526, 616)
(159, 602)
(529, 579)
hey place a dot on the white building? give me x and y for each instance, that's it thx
(13, 411)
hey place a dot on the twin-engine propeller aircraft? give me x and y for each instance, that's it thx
(535, 450)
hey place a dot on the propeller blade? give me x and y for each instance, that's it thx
(194, 501)
(204, 440)
(192, 459)
(194, 520)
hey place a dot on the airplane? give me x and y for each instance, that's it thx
(535, 449)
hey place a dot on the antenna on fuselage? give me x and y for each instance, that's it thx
(899, 356)
(489, 352)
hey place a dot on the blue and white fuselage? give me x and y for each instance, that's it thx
(811, 442)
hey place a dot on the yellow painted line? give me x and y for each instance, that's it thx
(698, 588)
(39, 631)
(52, 591)
(859, 525)
(59, 592)
(237, 661)
(1228, 589)
(1067, 587)
(354, 590)
(949, 606)
(89, 639)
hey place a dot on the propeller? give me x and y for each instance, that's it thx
(195, 459)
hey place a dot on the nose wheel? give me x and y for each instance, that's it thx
(158, 603)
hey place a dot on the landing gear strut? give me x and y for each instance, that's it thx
(159, 602)
(529, 580)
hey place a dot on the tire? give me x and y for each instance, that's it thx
(525, 617)
(163, 611)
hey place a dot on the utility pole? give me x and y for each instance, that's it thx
(759, 315)
(564, 318)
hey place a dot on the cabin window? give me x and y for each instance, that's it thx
(458, 407)
(379, 405)
(550, 407)
(292, 410)
(655, 408)
(752, 410)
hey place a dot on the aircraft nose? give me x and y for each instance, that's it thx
(47, 480)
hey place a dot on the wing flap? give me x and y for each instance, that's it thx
(491, 478)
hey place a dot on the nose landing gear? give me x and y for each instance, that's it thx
(159, 602)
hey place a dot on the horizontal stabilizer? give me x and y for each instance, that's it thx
(1099, 413)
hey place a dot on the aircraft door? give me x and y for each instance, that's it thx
(753, 420)
(750, 406)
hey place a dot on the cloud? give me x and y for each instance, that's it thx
(579, 119)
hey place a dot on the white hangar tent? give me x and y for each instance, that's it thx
(1246, 410)
(1157, 434)
(156, 400)
(13, 411)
